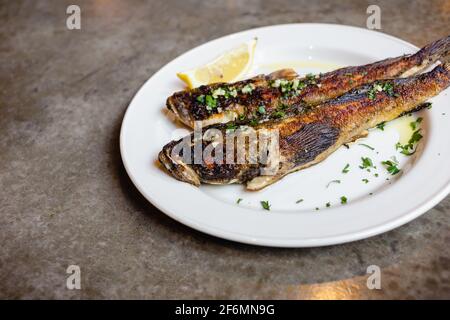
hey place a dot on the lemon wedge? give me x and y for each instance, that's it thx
(229, 67)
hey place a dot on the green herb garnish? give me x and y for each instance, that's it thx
(201, 98)
(387, 87)
(231, 126)
(415, 124)
(299, 200)
(262, 109)
(265, 205)
(343, 200)
(232, 92)
(211, 103)
(346, 168)
(391, 166)
(239, 200)
(381, 125)
(365, 181)
(328, 205)
(366, 163)
(279, 114)
(408, 149)
(218, 92)
(416, 137)
(310, 78)
(248, 88)
(334, 181)
(367, 146)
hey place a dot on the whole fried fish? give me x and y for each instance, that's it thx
(304, 139)
(266, 97)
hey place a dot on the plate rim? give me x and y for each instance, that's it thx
(285, 242)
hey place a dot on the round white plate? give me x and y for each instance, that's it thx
(374, 207)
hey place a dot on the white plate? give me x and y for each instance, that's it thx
(425, 181)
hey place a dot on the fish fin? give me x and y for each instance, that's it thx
(303, 148)
(287, 73)
(311, 140)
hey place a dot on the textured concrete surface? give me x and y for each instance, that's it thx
(66, 199)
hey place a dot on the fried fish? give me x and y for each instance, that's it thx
(267, 96)
(303, 139)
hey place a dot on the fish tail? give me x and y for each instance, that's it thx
(438, 50)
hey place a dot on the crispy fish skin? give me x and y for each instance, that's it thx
(309, 138)
(314, 90)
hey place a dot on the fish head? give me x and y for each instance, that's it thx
(180, 104)
(175, 165)
(207, 160)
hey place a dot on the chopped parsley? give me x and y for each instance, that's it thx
(211, 102)
(346, 168)
(248, 88)
(334, 181)
(262, 109)
(231, 126)
(343, 200)
(277, 83)
(288, 87)
(328, 205)
(367, 146)
(381, 125)
(416, 137)
(239, 200)
(416, 123)
(311, 79)
(218, 92)
(371, 94)
(366, 181)
(366, 163)
(265, 205)
(201, 98)
(387, 87)
(391, 166)
(232, 92)
(299, 200)
(408, 149)
(279, 114)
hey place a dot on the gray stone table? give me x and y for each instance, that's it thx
(66, 199)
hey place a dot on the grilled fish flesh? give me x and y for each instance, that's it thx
(265, 97)
(304, 139)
